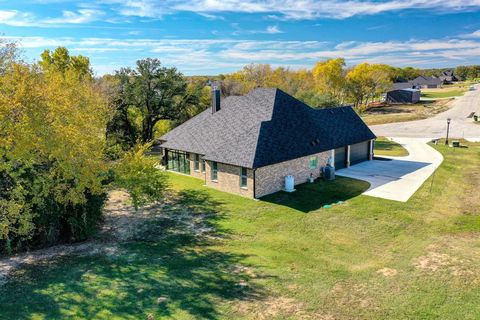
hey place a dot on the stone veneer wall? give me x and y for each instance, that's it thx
(271, 178)
(229, 179)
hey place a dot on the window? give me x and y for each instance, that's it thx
(203, 166)
(243, 178)
(214, 171)
(313, 162)
(196, 163)
(178, 161)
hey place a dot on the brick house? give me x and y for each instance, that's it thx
(248, 144)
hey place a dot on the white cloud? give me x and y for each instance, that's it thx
(209, 56)
(28, 19)
(273, 30)
(81, 16)
(475, 34)
(290, 9)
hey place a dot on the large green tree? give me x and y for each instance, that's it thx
(146, 95)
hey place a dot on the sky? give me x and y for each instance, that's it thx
(208, 37)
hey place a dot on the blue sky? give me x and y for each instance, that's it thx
(206, 37)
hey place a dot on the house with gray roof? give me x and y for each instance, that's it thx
(448, 77)
(248, 144)
(426, 82)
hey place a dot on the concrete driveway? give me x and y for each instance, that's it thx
(397, 178)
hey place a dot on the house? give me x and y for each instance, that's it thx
(402, 85)
(248, 144)
(448, 77)
(406, 95)
(426, 82)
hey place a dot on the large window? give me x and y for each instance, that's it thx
(214, 171)
(313, 162)
(178, 161)
(196, 163)
(243, 178)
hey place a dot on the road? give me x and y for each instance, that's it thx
(436, 127)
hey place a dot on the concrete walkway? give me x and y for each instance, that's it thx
(400, 177)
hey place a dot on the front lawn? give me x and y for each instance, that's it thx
(289, 256)
(386, 147)
(433, 94)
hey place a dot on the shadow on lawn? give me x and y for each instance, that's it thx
(313, 196)
(172, 267)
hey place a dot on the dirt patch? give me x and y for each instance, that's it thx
(121, 224)
(457, 255)
(387, 272)
(347, 294)
(275, 307)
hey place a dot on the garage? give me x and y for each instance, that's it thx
(359, 152)
(340, 158)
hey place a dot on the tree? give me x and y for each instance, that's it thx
(9, 54)
(52, 142)
(61, 61)
(329, 77)
(366, 82)
(147, 95)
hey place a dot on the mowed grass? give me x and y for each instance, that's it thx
(442, 94)
(285, 257)
(386, 147)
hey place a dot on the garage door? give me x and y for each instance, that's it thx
(340, 158)
(359, 152)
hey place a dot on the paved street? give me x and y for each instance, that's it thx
(436, 127)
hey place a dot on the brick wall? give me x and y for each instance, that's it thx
(271, 178)
(196, 173)
(229, 179)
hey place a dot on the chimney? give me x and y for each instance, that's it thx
(215, 99)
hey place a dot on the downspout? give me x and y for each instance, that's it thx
(254, 183)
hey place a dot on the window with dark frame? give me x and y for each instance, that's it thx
(178, 161)
(196, 163)
(243, 178)
(214, 171)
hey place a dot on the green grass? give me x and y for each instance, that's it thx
(297, 259)
(442, 94)
(386, 147)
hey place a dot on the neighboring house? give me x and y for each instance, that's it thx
(402, 85)
(448, 77)
(426, 82)
(406, 95)
(248, 144)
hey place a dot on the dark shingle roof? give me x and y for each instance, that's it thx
(424, 80)
(264, 127)
(402, 85)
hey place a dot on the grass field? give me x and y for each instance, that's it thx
(405, 112)
(285, 257)
(386, 147)
(441, 94)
